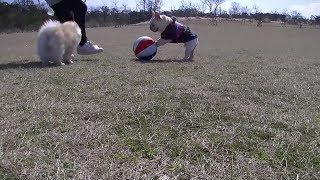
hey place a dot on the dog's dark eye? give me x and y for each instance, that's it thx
(152, 25)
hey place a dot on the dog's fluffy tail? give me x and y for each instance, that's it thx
(50, 38)
(50, 24)
(48, 32)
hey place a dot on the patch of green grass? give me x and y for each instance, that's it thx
(27, 133)
(140, 83)
(218, 115)
(279, 125)
(186, 102)
(91, 143)
(295, 158)
(195, 153)
(318, 118)
(198, 154)
(176, 168)
(310, 133)
(256, 134)
(6, 175)
(140, 147)
(247, 147)
(177, 151)
(64, 129)
(44, 142)
(124, 158)
(262, 155)
(140, 121)
(315, 161)
(217, 139)
(173, 133)
(66, 164)
(159, 110)
(51, 156)
(41, 127)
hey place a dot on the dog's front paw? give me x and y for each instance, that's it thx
(73, 58)
(68, 62)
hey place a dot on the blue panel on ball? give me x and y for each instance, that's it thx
(147, 58)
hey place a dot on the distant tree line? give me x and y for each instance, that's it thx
(28, 15)
(16, 17)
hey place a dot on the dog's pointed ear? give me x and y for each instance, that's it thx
(156, 15)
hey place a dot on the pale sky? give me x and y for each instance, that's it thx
(305, 7)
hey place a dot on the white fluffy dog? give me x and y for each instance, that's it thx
(57, 42)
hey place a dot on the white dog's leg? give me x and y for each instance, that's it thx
(162, 42)
(72, 57)
(190, 47)
(58, 61)
(67, 57)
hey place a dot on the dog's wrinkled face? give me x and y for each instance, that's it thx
(158, 23)
(154, 22)
(153, 27)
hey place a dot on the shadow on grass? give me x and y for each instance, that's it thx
(26, 64)
(162, 61)
(88, 60)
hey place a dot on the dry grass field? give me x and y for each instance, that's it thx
(247, 107)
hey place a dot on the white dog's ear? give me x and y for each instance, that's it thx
(156, 15)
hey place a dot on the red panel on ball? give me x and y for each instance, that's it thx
(143, 44)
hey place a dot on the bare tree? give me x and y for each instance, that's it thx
(154, 5)
(183, 4)
(256, 9)
(158, 4)
(202, 7)
(314, 20)
(259, 23)
(213, 6)
(285, 11)
(137, 5)
(208, 3)
(295, 14)
(143, 3)
(235, 8)
(296, 18)
(274, 11)
(245, 10)
(217, 3)
(124, 7)
(114, 4)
